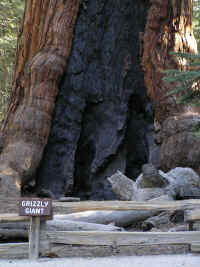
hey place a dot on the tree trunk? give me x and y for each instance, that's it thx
(102, 113)
(168, 29)
(43, 48)
(103, 119)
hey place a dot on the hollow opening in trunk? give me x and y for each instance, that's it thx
(102, 115)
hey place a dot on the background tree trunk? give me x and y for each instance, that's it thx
(103, 121)
(168, 29)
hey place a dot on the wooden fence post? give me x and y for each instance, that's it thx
(34, 238)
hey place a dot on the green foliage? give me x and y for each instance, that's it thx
(11, 12)
(187, 83)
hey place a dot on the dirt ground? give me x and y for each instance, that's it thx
(134, 261)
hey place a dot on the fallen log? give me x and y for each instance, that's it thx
(184, 227)
(15, 225)
(14, 234)
(179, 183)
(19, 231)
(156, 221)
(195, 247)
(145, 194)
(122, 186)
(192, 215)
(150, 178)
(69, 199)
(119, 218)
(67, 225)
(146, 187)
(7, 218)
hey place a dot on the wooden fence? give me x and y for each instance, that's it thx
(98, 243)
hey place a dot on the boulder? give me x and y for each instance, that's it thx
(180, 143)
(183, 182)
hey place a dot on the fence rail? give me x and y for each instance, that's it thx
(60, 242)
(72, 207)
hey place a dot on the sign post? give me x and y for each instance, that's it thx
(34, 238)
(36, 208)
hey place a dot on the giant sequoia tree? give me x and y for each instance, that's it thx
(80, 106)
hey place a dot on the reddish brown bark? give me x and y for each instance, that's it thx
(43, 48)
(168, 29)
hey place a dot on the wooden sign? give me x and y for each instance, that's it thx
(35, 207)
